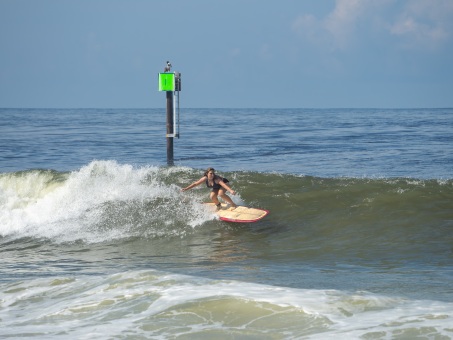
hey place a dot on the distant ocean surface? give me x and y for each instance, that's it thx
(98, 242)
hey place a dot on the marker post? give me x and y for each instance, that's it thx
(171, 84)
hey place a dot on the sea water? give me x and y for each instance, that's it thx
(98, 241)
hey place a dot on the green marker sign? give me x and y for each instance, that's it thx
(166, 81)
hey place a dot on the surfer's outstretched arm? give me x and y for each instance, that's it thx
(194, 184)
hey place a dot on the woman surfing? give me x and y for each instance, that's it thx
(218, 185)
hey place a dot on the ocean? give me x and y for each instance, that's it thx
(97, 240)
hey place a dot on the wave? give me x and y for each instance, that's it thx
(163, 305)
(100, 202)
(106, 201)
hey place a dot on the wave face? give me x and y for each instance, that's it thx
(349, 218)
(105, 194)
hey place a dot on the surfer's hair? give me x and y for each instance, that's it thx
(207, 170)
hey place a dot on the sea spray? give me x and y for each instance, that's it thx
(100, 202)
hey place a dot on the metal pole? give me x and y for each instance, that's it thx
(170, 128)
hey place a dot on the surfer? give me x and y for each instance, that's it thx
(218, 185)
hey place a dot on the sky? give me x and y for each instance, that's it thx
(231, 53)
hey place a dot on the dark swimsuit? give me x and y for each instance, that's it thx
(216, 186)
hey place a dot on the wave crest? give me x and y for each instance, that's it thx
(102, 201)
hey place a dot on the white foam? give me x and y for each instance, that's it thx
(136, 300)
(91, 203)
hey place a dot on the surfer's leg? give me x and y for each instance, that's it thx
(226, 198)
(214, 198)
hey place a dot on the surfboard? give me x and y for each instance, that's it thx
(241, 214)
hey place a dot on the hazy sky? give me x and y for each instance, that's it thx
(231, 53)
